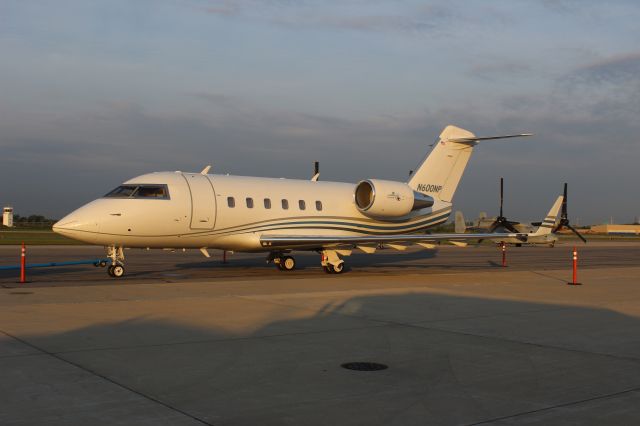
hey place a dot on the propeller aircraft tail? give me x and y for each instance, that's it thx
(548, 224)
(460, 225)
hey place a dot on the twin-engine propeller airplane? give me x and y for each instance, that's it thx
(539, 233)
(547, 236)
(238, 213)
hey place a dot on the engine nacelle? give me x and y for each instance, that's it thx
(385, 199)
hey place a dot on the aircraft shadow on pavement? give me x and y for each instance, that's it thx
(307, 260)
(451, 360)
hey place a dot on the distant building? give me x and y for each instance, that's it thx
(616, 229)
(7, 217)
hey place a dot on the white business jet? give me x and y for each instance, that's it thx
(254, 214)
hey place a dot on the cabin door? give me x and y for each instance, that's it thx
(203, 201)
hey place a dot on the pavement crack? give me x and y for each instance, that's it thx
(553, 407)
(105, 378)
(524, 342)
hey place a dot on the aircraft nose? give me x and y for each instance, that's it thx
(76, 222)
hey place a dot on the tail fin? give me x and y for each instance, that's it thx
(440, 172)
(549, 222)
(460, 225)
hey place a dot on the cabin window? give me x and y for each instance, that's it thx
(302, 204)
(231, 202)
(267, 203)
(319, 205)
(285, 204)
(158, 192)
(249, 202)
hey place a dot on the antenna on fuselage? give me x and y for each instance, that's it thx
(316, 171)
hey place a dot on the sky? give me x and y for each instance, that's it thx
(93, 93)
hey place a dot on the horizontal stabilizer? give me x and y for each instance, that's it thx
(487, 138)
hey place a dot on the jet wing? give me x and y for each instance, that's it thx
(314, 242)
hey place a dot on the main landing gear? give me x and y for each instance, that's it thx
(282, 261)
(116, 254)
(331, 262)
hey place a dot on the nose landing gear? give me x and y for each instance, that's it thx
(116, 254)
(116, 271)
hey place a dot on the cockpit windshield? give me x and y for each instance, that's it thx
(158, 192)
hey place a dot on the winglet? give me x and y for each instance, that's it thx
(206, 170)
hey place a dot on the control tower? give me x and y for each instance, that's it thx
(7, 217)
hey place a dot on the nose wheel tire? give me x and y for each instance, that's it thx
(116, 271)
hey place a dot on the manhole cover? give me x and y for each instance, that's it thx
(364, 366)
(21, 292)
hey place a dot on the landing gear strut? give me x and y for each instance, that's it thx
(116, 254)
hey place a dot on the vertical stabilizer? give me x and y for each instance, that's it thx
(550, 220)
(440, 173)
(460, 225)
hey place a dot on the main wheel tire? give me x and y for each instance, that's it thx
(288, 263)
(327, 269)
(117, 271)
(337, 269)
(110, 270)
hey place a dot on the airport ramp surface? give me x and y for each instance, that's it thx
(185, 341)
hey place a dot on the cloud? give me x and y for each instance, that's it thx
(607, 88)
(357, 16)
(500, 69)
(617, 70)
(87, 154)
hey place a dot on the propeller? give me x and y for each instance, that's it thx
(501, 220)
(564, 218)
